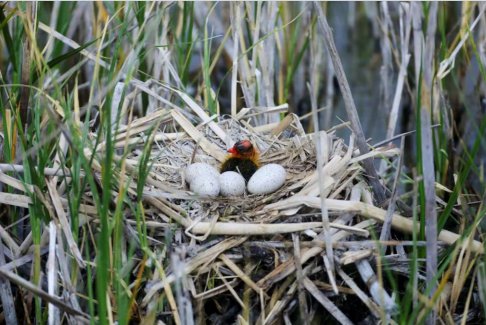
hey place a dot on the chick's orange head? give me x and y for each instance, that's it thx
(243, 148)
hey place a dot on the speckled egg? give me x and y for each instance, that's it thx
(231, 184)
(205, 185)
(267, 179)
(195, 170)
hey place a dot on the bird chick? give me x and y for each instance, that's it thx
(243, 159)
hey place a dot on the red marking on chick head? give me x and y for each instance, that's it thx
(242, 147)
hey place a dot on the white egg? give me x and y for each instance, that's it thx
(231, 184)
(205, 185)
(267, 179)
(197, 169)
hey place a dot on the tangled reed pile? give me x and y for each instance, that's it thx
(252, 258)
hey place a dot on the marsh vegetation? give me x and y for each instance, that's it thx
(377, 112)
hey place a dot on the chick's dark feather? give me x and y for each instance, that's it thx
(246, 167)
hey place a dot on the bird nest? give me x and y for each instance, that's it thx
(293, 150)
(251, 258)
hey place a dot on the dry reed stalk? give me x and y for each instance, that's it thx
(118, 117)
(215, 291)
(349, 105)
(8, 305)
(245, 278)
(374, 284)
(8, 240)
(385, 230)
(168, 290)
(18, 262)
(69, 290)
(467, 307)
(52, 273)
(304, 317)
(140, 126)
(462, 269)
(14, 278)
(354, 256)
(281, 297)
(379, 294)
(262, 110)
(200, 112)
(230, 288)
(15, 183)
(326, 303)
(144, 86)
(377, 153)
(64, 223)
(352, 244)
(320, 155)
(47, 51)
(372, 306)
(246, 229)
(399, 222)
(198, 137)
(69, 42)
(405, 29)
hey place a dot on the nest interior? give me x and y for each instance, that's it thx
(293, 150)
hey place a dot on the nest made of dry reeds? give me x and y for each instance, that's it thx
(257, 252)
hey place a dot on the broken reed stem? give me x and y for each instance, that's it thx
(351, 110)
(235, 25)
(245, 229)
(320, 174)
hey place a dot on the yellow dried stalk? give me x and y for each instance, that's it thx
(367, 210)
